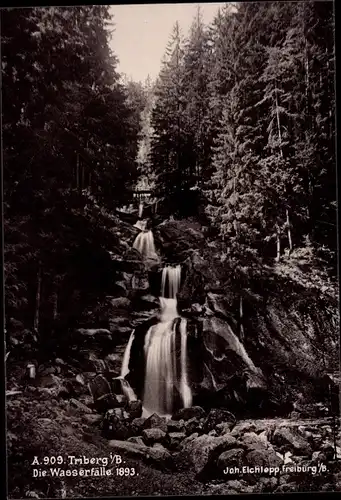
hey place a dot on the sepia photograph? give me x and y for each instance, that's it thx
(170, 226)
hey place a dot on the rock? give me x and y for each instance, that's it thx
(213, 432)
(258, 457)
(286, 488)
(116, 424)
(268, 484)
(134, 409)
(113, 362)
(154, 456)
(194, 425)
(177, 237)
(227, 355)
(80, 406)
(159, 446)
(204, 449)
(243, 427)
(155, 422)
(50, 380)
(121, 303)
(236, 485)
(293, 441)
(223, 428)
(175, 425)
(94, 332)
(59, 361)
(137, 425)
(154, 435)
(107, 402)
(316, 456)
(188, 440)
(93, 419)
(189, 413)
(217, 416)
(230, 458)
(181, 461)
(174, 440)
(94, 364)
(149, 301)
(253, 441)
(222, 305)
(328, 450)
(99, 386)
(136, 440)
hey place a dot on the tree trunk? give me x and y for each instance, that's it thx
(37, 304)
(235, 222)
(278, 240)
(77, 171)
(289, 232)
(241, 319)
(82, 179)
(55, 305)
(278, 125)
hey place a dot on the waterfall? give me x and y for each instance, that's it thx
(144, 243)
(126, 389)
(140, 209)
(141, 224)
(163, 375)
(126, 357)
(165, 344)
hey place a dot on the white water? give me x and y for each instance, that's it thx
(140, 209)
(144, 243)
(126, 389)
(141, 224)
(162, 372)
(126, 357)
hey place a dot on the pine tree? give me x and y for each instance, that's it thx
(197, 56)
(167, 143)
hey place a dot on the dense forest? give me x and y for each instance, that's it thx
(233, 148)
(70, 131)
(244, 118)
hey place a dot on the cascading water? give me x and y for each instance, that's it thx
(140, 209)
(144, 243)
(141, 224)
(126, 357)
(126, 389)
(163, 375)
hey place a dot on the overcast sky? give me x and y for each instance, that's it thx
(142, 32)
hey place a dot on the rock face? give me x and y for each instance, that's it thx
(270, 363)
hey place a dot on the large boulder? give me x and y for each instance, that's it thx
(292, 441)
(156, 422)
(116, 424)
(159, 458)
(189, 413)
(218, 416)
(203, 450)
(153, 435)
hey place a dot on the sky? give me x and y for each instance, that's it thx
(142, 32)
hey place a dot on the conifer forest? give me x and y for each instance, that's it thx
(170, 255)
